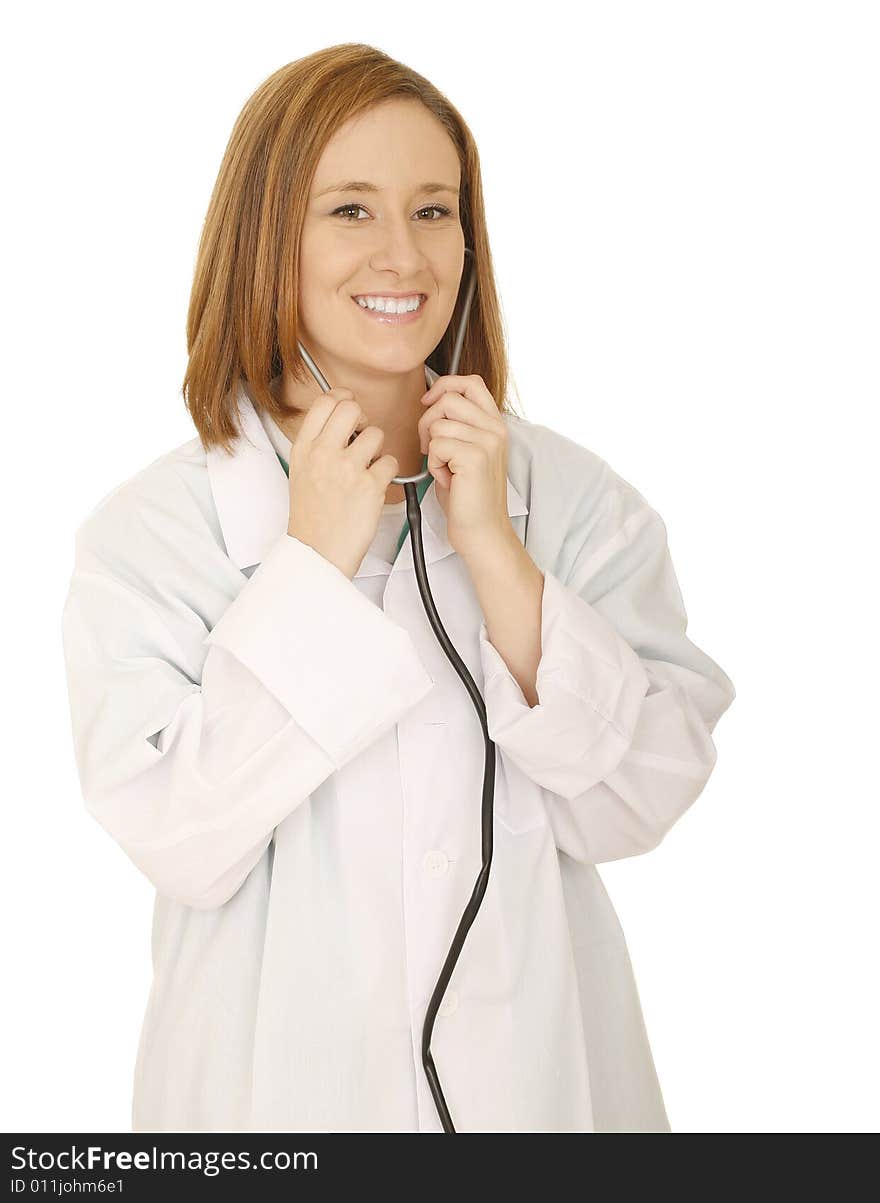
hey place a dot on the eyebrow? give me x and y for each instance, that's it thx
(366, 186)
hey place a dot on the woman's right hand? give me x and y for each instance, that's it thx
(336, 491)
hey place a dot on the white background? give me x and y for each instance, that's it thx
(683, 205)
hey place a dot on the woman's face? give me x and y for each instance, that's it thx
(401, 235)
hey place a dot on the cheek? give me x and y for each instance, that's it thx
(444, 310)
(326, 277)
(320, 301)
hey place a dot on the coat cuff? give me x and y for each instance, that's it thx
(590, 685)
(338, 664)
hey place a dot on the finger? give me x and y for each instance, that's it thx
(344, 422)
(362, 424)
(465, 433)
(456, 406)
(472, 387)
(364, 450)
(441, 474)
(455, 453)
(447, 457)
(320, 412)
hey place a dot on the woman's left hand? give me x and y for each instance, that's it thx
(466, 440)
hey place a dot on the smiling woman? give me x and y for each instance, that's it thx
(265, 723)
(333, 188)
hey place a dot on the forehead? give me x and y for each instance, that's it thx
(396, 144)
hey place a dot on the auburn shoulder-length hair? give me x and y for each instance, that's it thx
(243, 320)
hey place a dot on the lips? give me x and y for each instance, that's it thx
(392, 319)
(407, 296)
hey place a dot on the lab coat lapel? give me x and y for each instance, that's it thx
(250, 491)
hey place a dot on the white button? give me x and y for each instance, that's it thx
(449, 1003)
(436, 862)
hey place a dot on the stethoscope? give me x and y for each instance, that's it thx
(414, 519)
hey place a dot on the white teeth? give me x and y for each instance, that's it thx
(389, 304)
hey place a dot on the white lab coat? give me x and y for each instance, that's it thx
(291, 759)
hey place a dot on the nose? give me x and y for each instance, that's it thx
(397, 248)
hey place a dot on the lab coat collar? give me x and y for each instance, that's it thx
(250, 490)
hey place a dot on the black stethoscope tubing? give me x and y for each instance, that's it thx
(414, 519)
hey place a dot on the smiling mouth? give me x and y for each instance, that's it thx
(361, 302)
(393, 317)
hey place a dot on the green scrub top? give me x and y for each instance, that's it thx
(421, 489)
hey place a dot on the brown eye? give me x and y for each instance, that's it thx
(347, 208)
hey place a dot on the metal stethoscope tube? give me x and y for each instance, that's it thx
(414, 518)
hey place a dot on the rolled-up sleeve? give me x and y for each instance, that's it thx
(621, 735)
(336, 662)
(191, 767)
